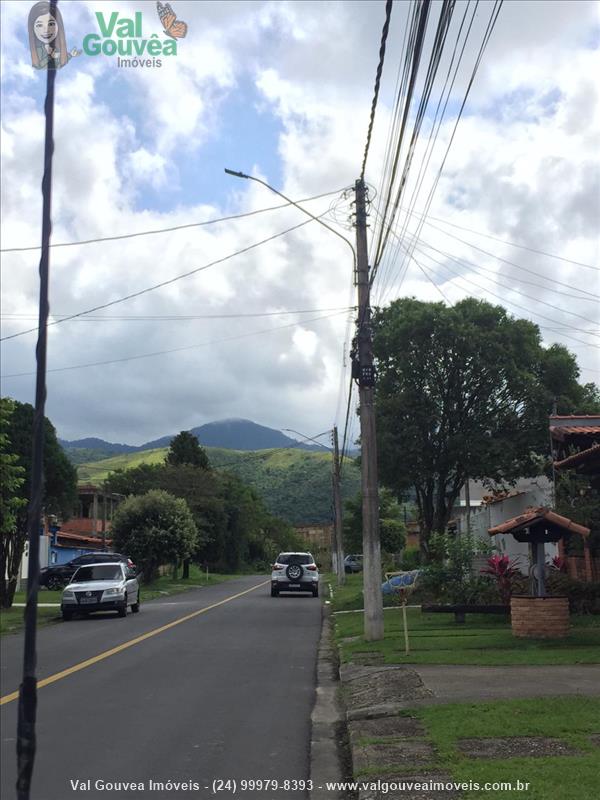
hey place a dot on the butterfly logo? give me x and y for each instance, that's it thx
(174, 27)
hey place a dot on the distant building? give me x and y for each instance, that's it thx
(89, 527)
(318, 539)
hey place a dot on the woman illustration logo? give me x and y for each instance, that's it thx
(47, 38)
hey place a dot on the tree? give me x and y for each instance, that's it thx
(154, 529)
(12, 478)
(185, 449)
(463, 392)
(392, 528)
(60, 489)
(201, 489)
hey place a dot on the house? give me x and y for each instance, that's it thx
(88, 528)
(489, 510)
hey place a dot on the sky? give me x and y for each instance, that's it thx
(281, 91)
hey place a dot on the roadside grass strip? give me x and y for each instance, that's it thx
(12, 621)
(137, 640)
(572, 720)
(481, 640)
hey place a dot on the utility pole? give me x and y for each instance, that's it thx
(365, 372)
(337, 508)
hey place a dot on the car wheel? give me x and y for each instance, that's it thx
(122, 610)
(135, 607)
(55, 583)
(67, 615)
(315, 590)
(294, 572)
(274, 592)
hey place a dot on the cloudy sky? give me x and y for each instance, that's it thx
(282, 90)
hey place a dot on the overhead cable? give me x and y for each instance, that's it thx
(172, 228)
(176, 349)
(168, 282)
(384, 35)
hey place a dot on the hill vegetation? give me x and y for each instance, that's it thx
(294, 484)
(232, 434)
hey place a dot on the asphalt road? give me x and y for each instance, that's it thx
(226, 694)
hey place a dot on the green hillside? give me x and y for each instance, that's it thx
(295, 484)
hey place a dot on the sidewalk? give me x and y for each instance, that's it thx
(382, 733)
(377, 691)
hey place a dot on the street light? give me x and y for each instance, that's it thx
(296, 205)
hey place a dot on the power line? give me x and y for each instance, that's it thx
(181, 317)
(506, 286)
(173, 228)
(165, 283)
(437, 122)
(384, 35)
(503, 241)
(176, 349)
(512, 263)
(504, 301)
(487, 35)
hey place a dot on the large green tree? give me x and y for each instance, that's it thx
(464, 392)
(60, 488)
(391, 524)
(234, 527)
(154, 529)
(185, 449)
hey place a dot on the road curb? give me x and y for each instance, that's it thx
(326, 718)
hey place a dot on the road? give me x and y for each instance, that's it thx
(226, 694)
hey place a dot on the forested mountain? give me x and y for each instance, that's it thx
(233, 434)
(295, 484)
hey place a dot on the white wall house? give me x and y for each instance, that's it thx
(527, 493)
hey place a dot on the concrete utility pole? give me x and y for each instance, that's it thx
(364, 371)
(337, 508)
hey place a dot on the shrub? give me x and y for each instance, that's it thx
(504, 571)
(154, 529)
(449, 576)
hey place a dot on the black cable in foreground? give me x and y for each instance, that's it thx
(384, 35)
(28, 688)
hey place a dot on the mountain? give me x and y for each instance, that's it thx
(231, 434)
(243, 434)
(92, 443)
(295, 484)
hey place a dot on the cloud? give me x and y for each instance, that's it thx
(523, 167)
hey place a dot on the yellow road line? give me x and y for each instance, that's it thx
(107, 653)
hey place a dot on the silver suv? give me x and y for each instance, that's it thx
(295, 572)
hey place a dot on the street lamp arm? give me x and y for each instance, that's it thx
(297, 205)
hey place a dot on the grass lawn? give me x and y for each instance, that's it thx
(484, 639)
(569, 719)
(11, 619)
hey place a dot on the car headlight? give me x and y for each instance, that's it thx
(68, 595)
(116, 590)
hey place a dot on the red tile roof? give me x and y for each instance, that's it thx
(97, 540)
(533, 515)
(592, 453)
